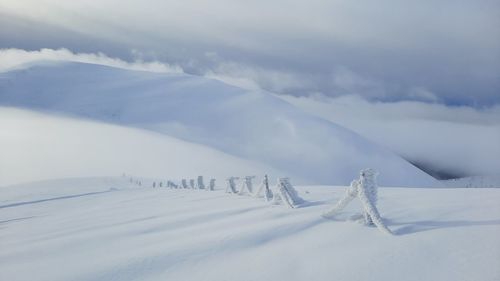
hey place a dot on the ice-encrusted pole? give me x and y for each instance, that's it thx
(365, 188)
(287, 193)
(173, 185)
(211, 186)
(201, 185)
(184, 183)
(231, 185)
(191, 184)
(246, 184)
(264, 187)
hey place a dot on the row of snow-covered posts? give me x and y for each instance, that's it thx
(183, 184)
(283, 192)
(199, 184)
(364, 188)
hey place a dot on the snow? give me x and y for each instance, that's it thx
(37, 146)
(252, 126)
(474, 182)
(105, 228)
(65, 127)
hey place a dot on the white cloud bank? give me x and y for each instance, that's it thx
(461, 140)
(18, 58)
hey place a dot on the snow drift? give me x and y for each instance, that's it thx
(251, 125)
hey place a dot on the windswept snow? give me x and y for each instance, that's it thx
(254, 126)
(107, 229)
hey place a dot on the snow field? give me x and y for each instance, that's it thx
(107, 229)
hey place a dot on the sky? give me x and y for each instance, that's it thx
(445, 52)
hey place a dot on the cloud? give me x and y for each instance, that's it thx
(255, 77)
(16, 58)
(454, 141)
(445, 51)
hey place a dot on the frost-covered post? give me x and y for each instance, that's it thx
(184, 183)
(191, 184)
(231, 185)
(365, 188)
(161, 184)
(264, 186)
(201, 185)
(154, 184)
(246, 184)
(287, 193)
(211, 186)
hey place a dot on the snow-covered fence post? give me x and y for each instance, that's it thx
(201, 185)
(264, 187)
(211, 186)
(191, 184)
(172, 185)
(287, 193)
(246, 184)
(231, 185)
(161, 184)
(154, 184)
(365, 188)
(184, 183)
(268, 194)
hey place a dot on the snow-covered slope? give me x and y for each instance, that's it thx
(36, 146)
(251, 125)
(106, 229)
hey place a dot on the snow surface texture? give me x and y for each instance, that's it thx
(255, 126)
(108, 229)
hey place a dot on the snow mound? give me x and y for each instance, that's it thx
(250, 125)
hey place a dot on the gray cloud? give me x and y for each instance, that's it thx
(445, 51)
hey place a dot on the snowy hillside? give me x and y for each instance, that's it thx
(36, 146)
(108, 229)
(254, 126)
